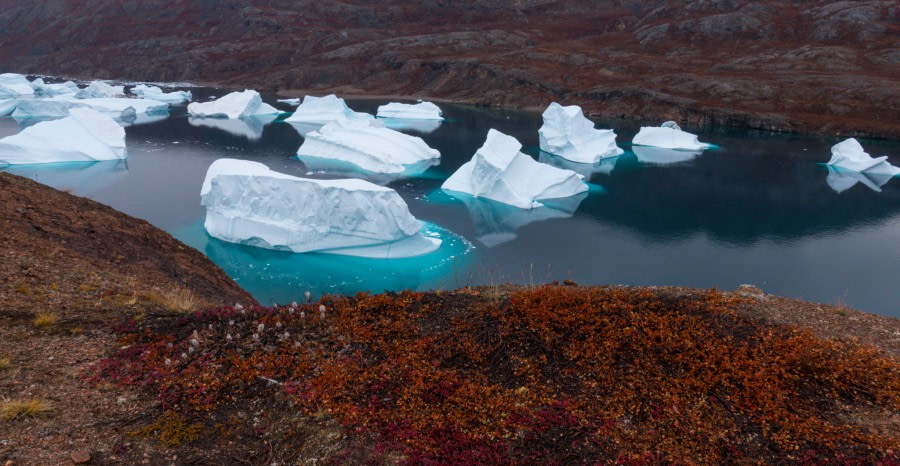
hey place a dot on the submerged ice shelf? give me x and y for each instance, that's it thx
(250, 204)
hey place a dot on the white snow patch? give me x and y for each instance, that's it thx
(250, 204)
(500, 172)
(567, 133)
(84, 136)
(369, 147)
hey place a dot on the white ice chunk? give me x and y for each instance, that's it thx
(12, 85)
(372, 148)
(115, 106)
(500, 172)
(250, 127)
(247, 203)
(233, 105)
(7, 106)
(155, 93)
(295, 102)
(84, 136)
(98, 89)
(322, 110)
(662, 156)
(44, 89)
(45, 108)
(668, 138)
(840, 180)
(419, 111)
(849, 155)
(567, 133)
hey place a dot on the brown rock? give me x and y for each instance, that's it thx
(81, 457)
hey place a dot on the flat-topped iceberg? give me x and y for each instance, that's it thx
(419, 111)
(567, 133)
(849, 155)
(155, 93)
(84, 136)
(500, 172)
(234, 105)
(44, 89)
(668, 136)
(99, 89)
(12, 85)
(322, 110)
(370, 147)
(250, 204)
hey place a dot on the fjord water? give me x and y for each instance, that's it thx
(757, 210)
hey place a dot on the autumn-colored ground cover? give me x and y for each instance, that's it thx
(551, 374)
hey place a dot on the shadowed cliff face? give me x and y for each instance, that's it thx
(816, 66)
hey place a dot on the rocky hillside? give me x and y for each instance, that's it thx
(818, 66)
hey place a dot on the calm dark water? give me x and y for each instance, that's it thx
(756, 210)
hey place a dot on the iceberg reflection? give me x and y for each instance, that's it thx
(250, 127)
(416, 126)
(604, 166)
(842, 180)
(663, 156)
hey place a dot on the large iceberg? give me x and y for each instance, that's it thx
(419, 111)
(500, 172)
(12, 85)
(668, 136)
(849, 155)
(250, 204)
(84, 136)
(370, 147)
(44, 89)
(155, 93)
(322, 110)
(250, 127)
(567, 133)
(234, 105)
(98, 89)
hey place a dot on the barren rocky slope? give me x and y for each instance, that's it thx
(817, 66)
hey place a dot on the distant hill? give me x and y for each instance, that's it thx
(813, 66)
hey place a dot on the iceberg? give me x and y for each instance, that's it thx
(668, 136)
(7, 106)
(419, 111)
(117, 107)
(500, 172)
(12, 85)
(849, 155)
(84, 136)
(234, 105)
(840, 181)
(294, 102)
(98, 89)
(322, 110)
(45, 108)
(416, 126)
(155, 93)
(567, 133)
(662, 156)
(370, 147)
(44, 89)
(247, 203)
(250, 127)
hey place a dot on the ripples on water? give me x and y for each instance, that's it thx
(760, 209)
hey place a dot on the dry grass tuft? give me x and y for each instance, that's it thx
(5, 363)
(21, 409)
(44, 319)
(176, 299)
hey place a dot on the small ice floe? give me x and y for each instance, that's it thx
(668, 136)
(367, 146)
(418, 111)
(84, 136)
(99, 89)
(14, 85)
(499, 171)
(850, 164)
(234, 105)
(247, 203)
(43, 89)
(567, 133)
(294, 102)
(155, 93)
(322, 110)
